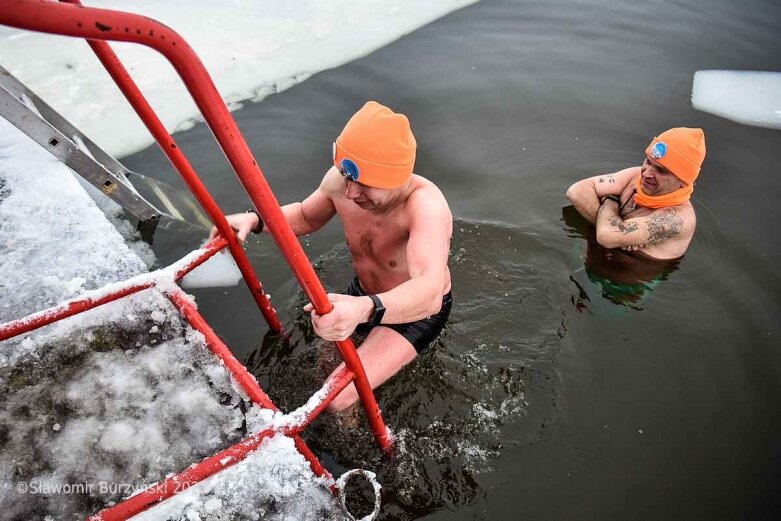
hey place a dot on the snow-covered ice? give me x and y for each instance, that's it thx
(273, 483)
(54, 240)
(748, 97)
(250, 48)
(109, 405)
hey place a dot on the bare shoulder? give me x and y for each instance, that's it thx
(427, 199)
(332, 184)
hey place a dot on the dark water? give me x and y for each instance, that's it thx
(555, 391)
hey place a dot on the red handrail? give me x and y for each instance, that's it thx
(96, 298)
(183, 480)
(243, 378)
(122, 78)
(103, 24)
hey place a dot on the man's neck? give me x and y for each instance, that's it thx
(402, 197)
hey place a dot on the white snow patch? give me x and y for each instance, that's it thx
(259, 418)
(251, 49)
(748, 97)
(54, 241)
(273, 483)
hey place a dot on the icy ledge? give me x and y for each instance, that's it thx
(251, 49)
(105, 403)
(54, 241)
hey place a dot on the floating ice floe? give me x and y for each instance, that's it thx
(748, 97)
(219, 271)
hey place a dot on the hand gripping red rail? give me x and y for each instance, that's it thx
(103, 24)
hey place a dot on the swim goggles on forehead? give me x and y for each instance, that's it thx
(347, 168)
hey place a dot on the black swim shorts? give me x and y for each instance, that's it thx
(419, 333)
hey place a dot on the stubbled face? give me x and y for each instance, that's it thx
(657, 180)
(368, 198)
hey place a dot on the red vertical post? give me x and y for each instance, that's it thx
(122, 78)
(243, 378)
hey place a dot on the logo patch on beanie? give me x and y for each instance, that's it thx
(348, 169)
(658, 150)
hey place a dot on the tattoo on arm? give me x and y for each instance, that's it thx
(664, 225)
(609, 178)
(623, 227)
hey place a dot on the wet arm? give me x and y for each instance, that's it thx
(312, 213)
(427, 253)
(584, 195)
(304, 217)
(615, 232)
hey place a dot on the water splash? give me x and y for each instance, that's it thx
(494, 364)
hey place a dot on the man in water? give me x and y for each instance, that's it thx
(646, 209)
(397, 226)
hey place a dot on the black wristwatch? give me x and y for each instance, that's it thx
(615, 198)
(378, 313)
(261, 224)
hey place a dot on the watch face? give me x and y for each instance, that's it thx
(378, 313)
(377, 317)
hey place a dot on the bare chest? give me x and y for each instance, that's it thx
(377, 243)
(629, 207)
(667, 239)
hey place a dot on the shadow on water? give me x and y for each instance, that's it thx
(494, 364)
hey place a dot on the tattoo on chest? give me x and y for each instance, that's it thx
(664, 225)
(622, 226)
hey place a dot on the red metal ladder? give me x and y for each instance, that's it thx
(97, 26)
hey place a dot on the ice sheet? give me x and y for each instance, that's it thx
(273, 483)
(219, 271)
(748, 97)
(54, 241)
(250, 48)
(111, 408)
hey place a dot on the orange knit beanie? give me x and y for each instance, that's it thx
(376, 147)
(681, 151)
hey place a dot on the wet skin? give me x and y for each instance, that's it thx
(657, 180)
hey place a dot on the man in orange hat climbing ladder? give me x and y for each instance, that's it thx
(397, 226)
(646, 209)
